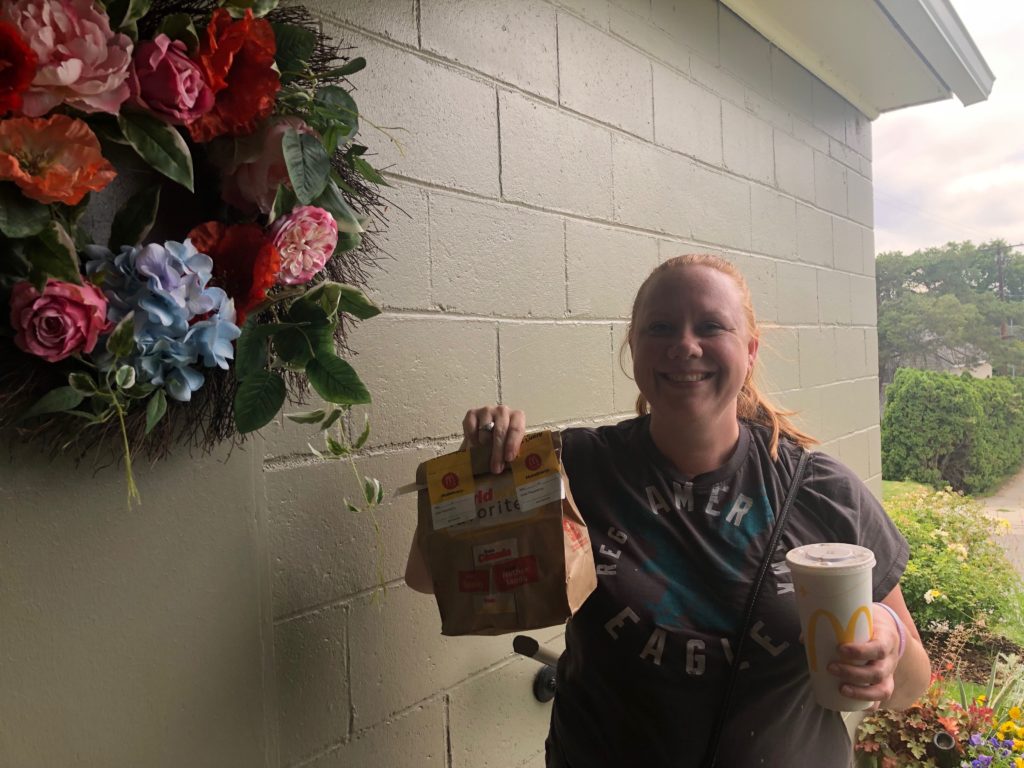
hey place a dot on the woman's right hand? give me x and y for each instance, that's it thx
(500, 427)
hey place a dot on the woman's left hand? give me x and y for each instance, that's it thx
(867, 670)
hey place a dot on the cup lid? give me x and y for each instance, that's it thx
(834, 557)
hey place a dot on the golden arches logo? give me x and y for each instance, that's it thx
(842, 635)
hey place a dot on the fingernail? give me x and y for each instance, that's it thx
(501, 468)
(833, 669)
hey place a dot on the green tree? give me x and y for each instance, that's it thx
(958, 305)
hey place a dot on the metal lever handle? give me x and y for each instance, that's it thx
(544, 680)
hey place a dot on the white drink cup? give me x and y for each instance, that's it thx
(833, 597)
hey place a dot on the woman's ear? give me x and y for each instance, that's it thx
(752, 346)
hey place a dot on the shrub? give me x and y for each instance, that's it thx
(959, 431)
(957, 572)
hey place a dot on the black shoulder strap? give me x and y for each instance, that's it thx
(711, 755)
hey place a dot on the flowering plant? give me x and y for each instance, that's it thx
(200, 314)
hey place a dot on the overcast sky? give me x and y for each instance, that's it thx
(947, 172)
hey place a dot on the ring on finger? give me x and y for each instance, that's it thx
(488, 427)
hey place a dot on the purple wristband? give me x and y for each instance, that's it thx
(902, 630)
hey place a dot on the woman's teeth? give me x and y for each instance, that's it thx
(681, 378)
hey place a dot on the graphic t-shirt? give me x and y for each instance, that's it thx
(648, 655)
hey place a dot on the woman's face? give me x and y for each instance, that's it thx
(691, 346)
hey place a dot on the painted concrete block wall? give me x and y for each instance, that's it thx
(554, 153)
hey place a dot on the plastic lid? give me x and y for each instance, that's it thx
(835, 558)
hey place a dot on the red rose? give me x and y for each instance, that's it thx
(237, 60)
(17, 67)
(62, 320)
(245, 261)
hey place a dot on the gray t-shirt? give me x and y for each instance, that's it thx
(648, 654)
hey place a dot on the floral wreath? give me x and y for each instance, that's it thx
(225, 282)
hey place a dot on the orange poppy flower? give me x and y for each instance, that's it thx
(54, 160)
(245, 261)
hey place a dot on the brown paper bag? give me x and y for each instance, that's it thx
(506, 552)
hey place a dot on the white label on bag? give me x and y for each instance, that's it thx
(540, 492)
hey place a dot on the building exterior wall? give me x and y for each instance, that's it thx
(551, 154)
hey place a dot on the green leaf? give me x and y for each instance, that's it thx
(333, 417)
(155, 409)
(53, 255)
(314, 451)
(356, 304)
(294, 346)
(83, 383)
(250, 349)
(284, 201)
(336, 448)
(106, 128)
(135, 219)
(160, 145)
(125, 377)
(368, 172)
(19, 216)
(124, 13)
(348, 68)
(332, 202)
(295, 46)
(333, 105)
(336, 381)
(348, 241)
(260, 396)
(364, 435)
(237, 8)
(54, 401)
(307, 417)
(371, 489)
(308, 165)
(121, 343)
(179, 26)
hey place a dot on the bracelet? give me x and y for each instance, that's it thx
(902, 630)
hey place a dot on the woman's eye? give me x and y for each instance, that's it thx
(712, 327)
(659, 328)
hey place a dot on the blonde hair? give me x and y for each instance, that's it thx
(751, 404)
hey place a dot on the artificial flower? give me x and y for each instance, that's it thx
(180, 319)
(245, 261)
(82, 62)
(17, 67)
(237, 59)
(1014, 713)
(306, 239)
(54, 160)
(164, 80)
(62, 320)
(252, 172)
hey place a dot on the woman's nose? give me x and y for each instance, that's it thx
(685, 344)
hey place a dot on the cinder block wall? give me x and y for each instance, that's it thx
(551, 154)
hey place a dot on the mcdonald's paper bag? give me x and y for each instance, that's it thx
(506, 552)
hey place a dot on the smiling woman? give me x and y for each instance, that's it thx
(681, 504)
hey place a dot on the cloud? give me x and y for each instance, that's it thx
(945, 172)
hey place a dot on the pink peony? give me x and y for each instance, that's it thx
(306, 239)
(82, 62)
(250, 176)
(164, 80)
(62, 320)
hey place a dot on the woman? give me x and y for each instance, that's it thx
(679, 503)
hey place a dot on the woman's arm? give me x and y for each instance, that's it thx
(502, 427)
(874, 671)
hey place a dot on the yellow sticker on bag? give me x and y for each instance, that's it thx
(535, 472)
(450, 486)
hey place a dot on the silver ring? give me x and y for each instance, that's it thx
(488, 427)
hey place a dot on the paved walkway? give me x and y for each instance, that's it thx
(1008, 503)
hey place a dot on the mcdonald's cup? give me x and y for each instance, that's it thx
(833, 598)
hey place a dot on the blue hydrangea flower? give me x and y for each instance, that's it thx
(179, 319)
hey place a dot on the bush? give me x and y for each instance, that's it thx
(957, 572)
(950, 430)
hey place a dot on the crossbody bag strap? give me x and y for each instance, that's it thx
(711, 756)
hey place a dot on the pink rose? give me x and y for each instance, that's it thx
(164, 80)
(62, 320)
(82, 62)
(249, 178)
(306, 239)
